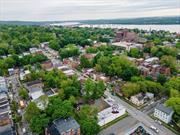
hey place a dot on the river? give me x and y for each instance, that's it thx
(171, 28)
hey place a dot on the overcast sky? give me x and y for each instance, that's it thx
(58, 10)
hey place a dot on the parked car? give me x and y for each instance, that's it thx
(154, 128)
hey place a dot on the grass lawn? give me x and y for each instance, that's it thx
(114, 121)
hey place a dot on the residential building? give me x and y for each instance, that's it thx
(152, 60)
(44, 44)
(89, 56)
(127, 36)
(110, 113)
(56, 63)
(4, 109)
(23, 74)
(72, 62)
(141, 98)
(3, 86)
(47, 65)
(137, 99)
(66, 70)
(7, 130)
(5, 118)
(61, 126)
(35, 50)
(36, 83)
(163, 113)
(101, 77)
(11, 71)
(35, 93)
(26, 53)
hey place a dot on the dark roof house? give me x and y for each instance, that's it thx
(7, 130)
(63, 127)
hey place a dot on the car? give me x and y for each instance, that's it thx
(24, 130)
(154, 128)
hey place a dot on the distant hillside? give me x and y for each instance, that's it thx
(147, 20)
(22, 23)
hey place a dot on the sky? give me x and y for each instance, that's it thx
(65, 10)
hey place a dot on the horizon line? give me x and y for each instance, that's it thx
(89, 19)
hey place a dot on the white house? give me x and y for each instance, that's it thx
(141, 98)
(23, 74)
(152, 60)
(163, 113)
(137, 99)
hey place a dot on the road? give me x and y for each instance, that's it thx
(140, 116)
(16, 84)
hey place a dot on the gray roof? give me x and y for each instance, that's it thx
(29, 84)
(3, 88)
(63, 125)
(6, 130)
(3, 96)
(163, 108)
(35, 89)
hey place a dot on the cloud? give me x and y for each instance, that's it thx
(48, 10)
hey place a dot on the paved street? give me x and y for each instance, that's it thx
(14, 79)
(140, 116)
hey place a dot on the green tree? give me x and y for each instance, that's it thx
(23, 93)
(134, 52)
(58, 108)
(161, 79)
(69, 51)
(89, 88)
(173, 83)
(129, 89)
(129, 72)
(89, 126)
(174, 93)
(174, 103)
(31, 111)
(54, 44)
(85, 63)
(93, 90)
(88, 112)
(100, 87)
(88, 120)
(169, 61)
(38, 123)
(178, 44)
(91, 50)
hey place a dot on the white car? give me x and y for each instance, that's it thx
(24, 130)
(154, 128)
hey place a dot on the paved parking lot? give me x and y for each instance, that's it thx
(121, 127)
